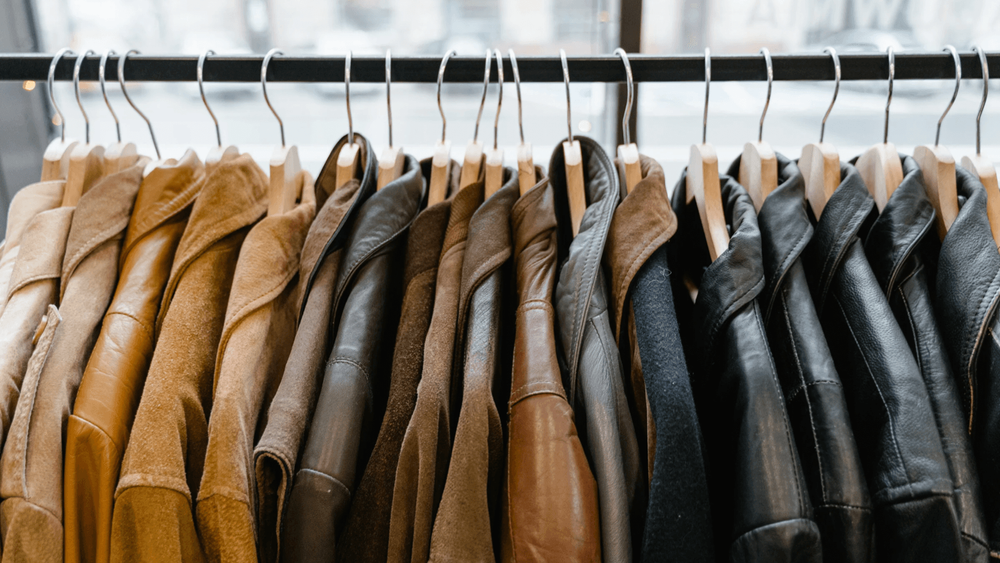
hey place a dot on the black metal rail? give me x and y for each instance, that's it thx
(605, 68)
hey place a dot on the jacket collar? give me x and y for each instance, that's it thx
(843, 217)
(532, 219)
(103, 212)
(968, 283)
(904, 222)
(43, 246)
(784, 226)
(736, 277)
(384, 217)
(642, 223)
(326, 183)
(28, 202)
(169, 189)
(234, 196)
(463, 205)
(581, 255)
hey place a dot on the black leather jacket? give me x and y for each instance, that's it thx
(815, 397)
(760, 505)
(895, 429)
(902, 248)
(346, 421)
(968, 291)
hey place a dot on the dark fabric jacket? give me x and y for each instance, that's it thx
(760, 504)
(902, 248)
(813, 392)
(549, 504)
(366, 531)
(353, 394)
(277, 452)
(589, 359)
(895, 430)
(968, 291)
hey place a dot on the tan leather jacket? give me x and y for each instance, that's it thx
(112, 383)
(549, 510)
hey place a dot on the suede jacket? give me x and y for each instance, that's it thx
(27, 203)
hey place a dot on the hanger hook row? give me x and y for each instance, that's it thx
(954, 95)
(629, 85)
(986, 91)
(708, 82)
(388, 92)
(201, 88)
(496, 120)
(104, 91)
(444, 64)
(263, 84)
(52, 96)
(121, 82)
(76, 88)
(888, 100)
(482, 102)
(836, 88)
(569, 114)
(767, 102)
(517, 86)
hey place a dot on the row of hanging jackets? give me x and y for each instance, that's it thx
(362, 376)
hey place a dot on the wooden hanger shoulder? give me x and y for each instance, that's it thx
(575, 189)
(938, 167)
(119, 156)
(390, 165)
(217, 155)
(86, 166)
(882, 172)
(55, 160)
(820, 166)
(987, 174)
(471, 164)
(758, 171)
(494, 171)
(283, 188)
(525, 168)
(703, 186)
(440, 172)
(630, 169)
(347, 163)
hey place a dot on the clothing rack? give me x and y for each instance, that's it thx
(601, 68)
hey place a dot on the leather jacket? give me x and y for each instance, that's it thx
(968, 292)
(589, 359)
(549, 507)
(902, 247)
(813, 392)
(901, 452)
(760, 505)
(353, 393)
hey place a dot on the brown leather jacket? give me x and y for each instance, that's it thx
(109, 392)
(549, 507)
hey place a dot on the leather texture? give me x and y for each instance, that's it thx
(895, 430)
(902, 247)
(24, 206)
(353, 392)
(31, 467)
(813, 392)
(153, 518)
(965, 302)
(467, 524)
(760, 504)
(109, 393)
(277, 452)
(549, 508)
(589, 359)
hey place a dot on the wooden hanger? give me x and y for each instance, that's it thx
(938, 166)
(390, 165)
(55, 160)
(494, 156)
(573, 161)
(758, 164)
(118, 156)
(473, 160)
(285, 165)
(525, 164)
(820, 163)
(981, 166)
(880, 166)
(441, 161)
(347, 159)
(86, 161)
(629, 167)
(217, 154)
(702, 184)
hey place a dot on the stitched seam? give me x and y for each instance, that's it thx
(330, 477)
(29, 281)
(898, 265)
(799, 389)
(975, 539)
(918, 356)
(783, 268)
(984, 304)
(843, 505)
(23, 485)
(85, 249)
(359, 367)
(145, 328)
(728, 311)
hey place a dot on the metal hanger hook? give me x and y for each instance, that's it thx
(121, 82)
(76, 88)
(569, 115)
(347, 96)
(958, 83)
(52, 96)
(444, 64)
(482, 102)
(888, 100)
(517, 86)
(986, 91)
(767, 101)
(263, 84)
(708, 82)
(388, 90)
(626, 133)
(496, 120)
(201, 88)
(836, 88)
(104, 92)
